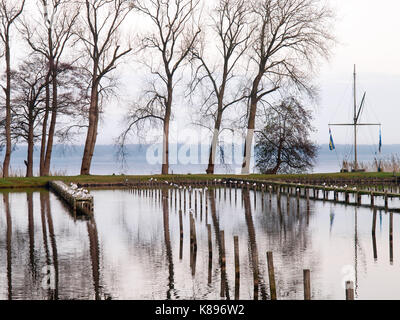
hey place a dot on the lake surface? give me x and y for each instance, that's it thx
(131, 248)
(66, 160)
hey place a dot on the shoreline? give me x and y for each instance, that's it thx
(120, 180)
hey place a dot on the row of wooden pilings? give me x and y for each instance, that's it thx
(349, 285)
(303, 191)
(299, 190)
(200, 193)
(151, 190)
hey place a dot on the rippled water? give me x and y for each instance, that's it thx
(131, 248)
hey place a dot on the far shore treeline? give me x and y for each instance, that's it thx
(233, 65)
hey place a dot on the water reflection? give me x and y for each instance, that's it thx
(168, 248)
(253, 246)
(9, 252)
(153, 244)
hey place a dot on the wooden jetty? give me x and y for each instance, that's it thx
(303, 190)
(78, 199)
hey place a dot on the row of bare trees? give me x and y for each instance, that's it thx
(224, 55)
(241, 54)
(58, 85)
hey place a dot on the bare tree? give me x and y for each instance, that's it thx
(50, 37)
(171, 40)
(289, 37)
(29, 100)
(9, 12)
(284, 144)
(231, 27)
(28, 104)
(100, 38)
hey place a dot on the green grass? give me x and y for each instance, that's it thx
(36, 182)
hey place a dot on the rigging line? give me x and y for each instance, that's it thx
(336, 153)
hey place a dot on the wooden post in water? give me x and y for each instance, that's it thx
(223, 262)
(374, 222)
(262, 196)
(180, 199)
(307, 284)
(270, 194)
(209, 253)
(374, 237)
(271, 275)
(255, 197)
(193, 244)
(195, 203)
(181, 235)
(224, 190)
(288, 203)
(391, 237)
(358, 198)
(184, 200)
(235, 192)
(386, 201)
(201, 204)
(349, 290)
(237, 267)
(206, 206)
(175, 196)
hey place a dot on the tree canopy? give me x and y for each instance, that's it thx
(284, 145)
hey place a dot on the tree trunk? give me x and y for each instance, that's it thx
(53, 121)
(44, 127)
(165, 164)
(29, 164)
(214, 142)
(249, 138)
(92, 130)
(251, 123)
(167, 117)
(7, 156)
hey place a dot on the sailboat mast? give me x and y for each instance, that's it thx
(355, 121)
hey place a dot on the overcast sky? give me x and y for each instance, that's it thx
(369, 36)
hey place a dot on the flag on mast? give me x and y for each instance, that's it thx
(331, 144)
(380, 139)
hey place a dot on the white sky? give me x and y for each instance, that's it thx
(369, 36)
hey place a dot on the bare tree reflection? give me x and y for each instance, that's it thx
(253, 246)
(94, 255)
(54, 293)
(224, 280)
(31, 230)
(9, 235)
(168, 248)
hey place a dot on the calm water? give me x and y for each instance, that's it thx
(131, 249)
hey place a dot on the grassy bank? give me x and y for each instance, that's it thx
(36, 182)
